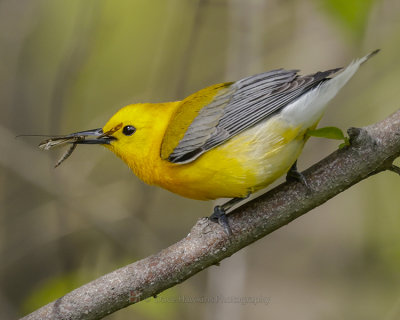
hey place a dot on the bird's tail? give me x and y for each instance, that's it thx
(335, 84)
(308, 109)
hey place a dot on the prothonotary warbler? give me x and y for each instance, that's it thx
(225, 141)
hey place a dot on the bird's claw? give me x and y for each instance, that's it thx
(294, 175)
(219, 216)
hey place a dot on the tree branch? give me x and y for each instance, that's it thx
(372, 150)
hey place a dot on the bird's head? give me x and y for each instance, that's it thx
(134, 133)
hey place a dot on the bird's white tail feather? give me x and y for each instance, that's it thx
(308, 109)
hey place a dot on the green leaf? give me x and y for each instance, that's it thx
(327, 132)
(345, 143)
(330, 133)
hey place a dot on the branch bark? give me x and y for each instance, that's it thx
(373, 149)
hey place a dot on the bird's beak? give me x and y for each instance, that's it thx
(94, 136)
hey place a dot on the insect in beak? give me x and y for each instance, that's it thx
(94, 136)
(82, 137)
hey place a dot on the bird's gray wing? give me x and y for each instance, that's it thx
(240, 106)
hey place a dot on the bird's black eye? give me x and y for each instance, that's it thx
(128, 130)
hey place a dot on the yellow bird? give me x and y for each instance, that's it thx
(225, 141)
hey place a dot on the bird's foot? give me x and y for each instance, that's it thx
(219, 216)
(294, 175)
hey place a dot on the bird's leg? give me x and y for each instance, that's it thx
(294, 175)
(219, 214)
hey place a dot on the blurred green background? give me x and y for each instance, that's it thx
(67, 66)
